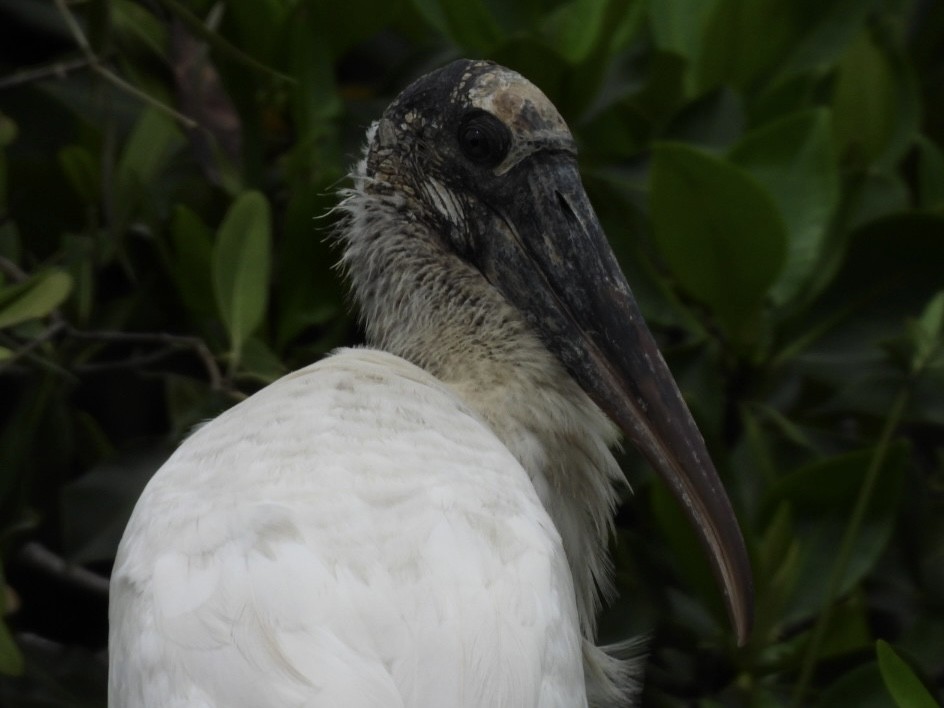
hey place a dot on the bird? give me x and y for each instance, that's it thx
(424, 520)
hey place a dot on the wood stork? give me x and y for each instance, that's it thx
(424, 523)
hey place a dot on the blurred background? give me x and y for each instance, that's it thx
(770, 173)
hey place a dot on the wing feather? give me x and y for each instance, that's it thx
(350, 536)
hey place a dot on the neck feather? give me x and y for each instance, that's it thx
(420, 301)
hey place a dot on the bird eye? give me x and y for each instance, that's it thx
(483, 138)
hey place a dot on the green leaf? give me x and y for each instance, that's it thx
(719, 232)
(781, 97)
(827, 27)
(432, 12)
(34, 298)
(627, 27)
(617, 132)
(575, 28)
(134, 27)
(713, 121)
(11, 660)
(191, 402)
(315, 98)
(255, 22)
(522, 16)
(8, 130)
(751, 42)
(664, 90)
(241, 259)
(890, 272)
(861, 687)
(794, 160)
(306, 288)
(82, 171)
(78, 256)
(96, 507)
(193, 247)
(345, 25)
(927, 334)
(875, 104)
(467, 22)
(875, 195)
(930, 175)
(900, 681)
(776, 565)
(686, 556)
(149, 149)
(11, 246)
(787, 430)
(260, 363)
(848, 629)
(678, 25)
(4, 181)
(821, 496)
(743, 39)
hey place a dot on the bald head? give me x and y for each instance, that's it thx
(469, 114)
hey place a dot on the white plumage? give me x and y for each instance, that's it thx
(352, 535)
(422, 524)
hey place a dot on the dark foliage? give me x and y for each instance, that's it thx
(771, 173)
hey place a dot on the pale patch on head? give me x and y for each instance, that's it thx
(443, 199)
(533, 120)
(516, 101)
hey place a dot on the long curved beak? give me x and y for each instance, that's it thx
(557, 267)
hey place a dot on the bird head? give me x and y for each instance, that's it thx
(482, 154)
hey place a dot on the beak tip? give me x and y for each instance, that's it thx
(739, 598)
(743, 626)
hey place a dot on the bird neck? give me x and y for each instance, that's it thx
(420, 301)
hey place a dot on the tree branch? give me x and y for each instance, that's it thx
(197, 345)
(57, 70)
(38, 556)
(95, 63)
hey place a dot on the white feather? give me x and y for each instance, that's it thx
(352, 535)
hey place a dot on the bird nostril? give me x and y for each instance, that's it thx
(564, 206)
